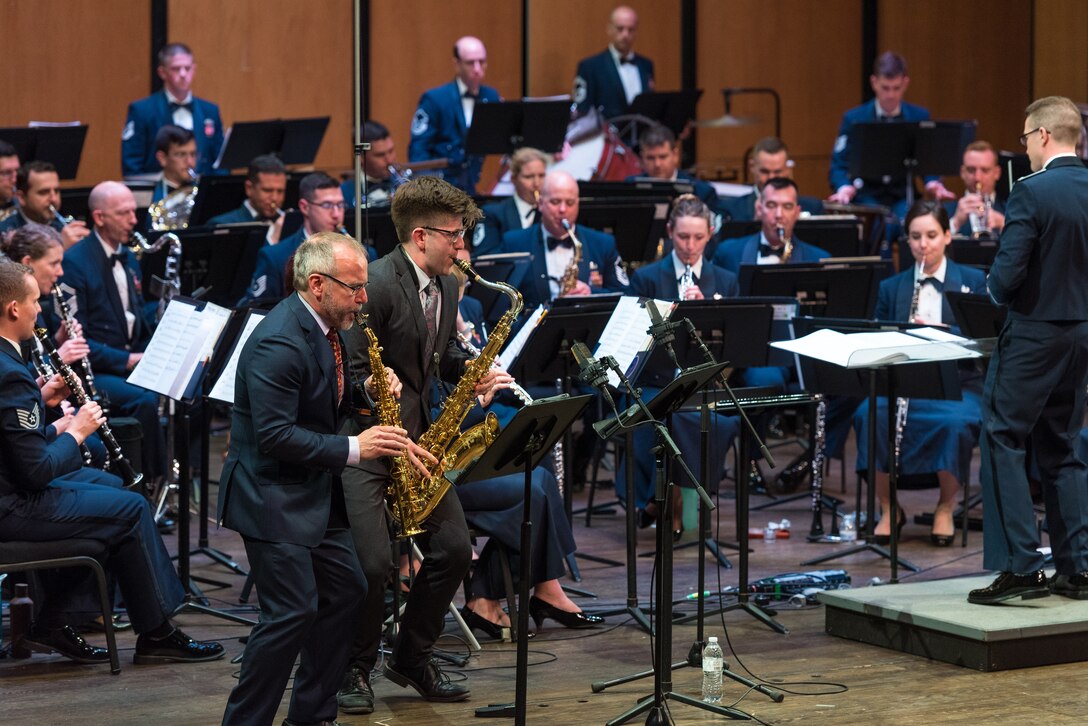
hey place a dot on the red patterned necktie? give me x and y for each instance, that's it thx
(334, 341)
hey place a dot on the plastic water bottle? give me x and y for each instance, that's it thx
(769, 534)
(848, 528)
(21, 609)
(713, 662)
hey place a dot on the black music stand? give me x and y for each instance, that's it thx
(881, 150)
(546, 358)
(935, 379)
(221, 261)
(523, 442)
(60, 145)
(829, 289)
(672, 109)
(509, 267)
(294, 141)
(502, 128)
(638, 224)
(975, 252)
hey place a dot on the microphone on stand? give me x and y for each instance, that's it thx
(592, 371)
(661, 330)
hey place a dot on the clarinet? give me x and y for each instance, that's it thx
(70, 327)
(133, 480)
(45, 370)
(818, 458)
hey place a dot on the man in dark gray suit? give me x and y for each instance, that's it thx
(281, 490)
(1035, 387)
(413, 314)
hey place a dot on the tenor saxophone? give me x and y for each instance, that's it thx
(414, 497)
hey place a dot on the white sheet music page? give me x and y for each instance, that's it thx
(223, 390)
(863, 350)
(625, 335)
(183, 339)
(513, 348)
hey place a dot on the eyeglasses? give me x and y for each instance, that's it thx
(1024, 137)
(8, 172)
(328, 206)
(355, 289)
(449, 234)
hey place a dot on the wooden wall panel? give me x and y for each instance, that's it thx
(262, 59)
(562, 32)
(93, 65)
(955, 75)
(1061, 49)
(412, 51)
(807, 51)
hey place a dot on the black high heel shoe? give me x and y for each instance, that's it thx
(478, 622)
(539, 610)
(884, 539)
(942, 540)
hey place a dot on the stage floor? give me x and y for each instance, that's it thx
(878, 685)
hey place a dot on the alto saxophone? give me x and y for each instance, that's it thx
(399, 498)
(787, 244)
(569, 279)
(417, 496)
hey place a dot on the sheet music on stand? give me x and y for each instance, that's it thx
(864, 350)
(513, 348)
(625, 336)
(182, 344)
(223, 390)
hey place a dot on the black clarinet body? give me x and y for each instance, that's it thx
(133, 480)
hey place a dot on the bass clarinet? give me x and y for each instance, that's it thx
(133, 480)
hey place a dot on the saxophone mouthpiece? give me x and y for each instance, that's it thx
(466, 268)
(566, 224)
(361, 319)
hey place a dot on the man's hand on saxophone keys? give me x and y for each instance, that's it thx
(493, 381)
(392, 382)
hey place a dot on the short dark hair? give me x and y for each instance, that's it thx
(170, 135)
(7, 149)
(13, 281)
(770, 145)
(31, 240)
(310, 183)
(425, 200)
(656, 135)
(924, 208)
(779, 183)
(265, 164)
(374, 131)
(170, 50)
(889, 65)
(22, 177)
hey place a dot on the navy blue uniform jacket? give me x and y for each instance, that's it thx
(148, 115)
(865, 113)
(896, 293)
(439, 131)
(598, 85)
(732, 253)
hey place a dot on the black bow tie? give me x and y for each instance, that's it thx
(765, 250)
(470, 94)
(630, 60)
(116, 258)
(897, 117)
(175, 106)
(533, 215)
(565, 242)
(937, 284)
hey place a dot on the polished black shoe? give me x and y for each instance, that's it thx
(478, 622)
(1009, 585)
(175, 648)
(70, 644)
(430, 682)
(677, 534)
(886, 539)
(356, 696)
(539, 610)
(1072, 586)
(643, 518)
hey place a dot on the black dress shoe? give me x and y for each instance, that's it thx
(539, 610)
(70, 644)
(356, 696)
(1072, 586)
(643, 518)
(478, 622)
(1009, 585)
(430, 682)
(175, 648)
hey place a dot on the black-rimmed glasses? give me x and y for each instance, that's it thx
(449, 234)
(1024, 137)
(355, 289)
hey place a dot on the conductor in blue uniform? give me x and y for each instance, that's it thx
(176, 105)
(1035, 386)
(444, 115)
(612, 79)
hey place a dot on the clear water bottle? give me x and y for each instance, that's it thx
(21, 609)
(848, 528)
(713, 662)
(769, 533)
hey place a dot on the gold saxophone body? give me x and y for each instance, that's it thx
(570, 275)
(413, 497)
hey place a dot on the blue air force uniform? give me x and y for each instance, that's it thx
(598, 84)
(148, 115)
(439, 131)
(18, 220)
(744, 208)
(732, 253)
(500, 218)
(939, 435)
